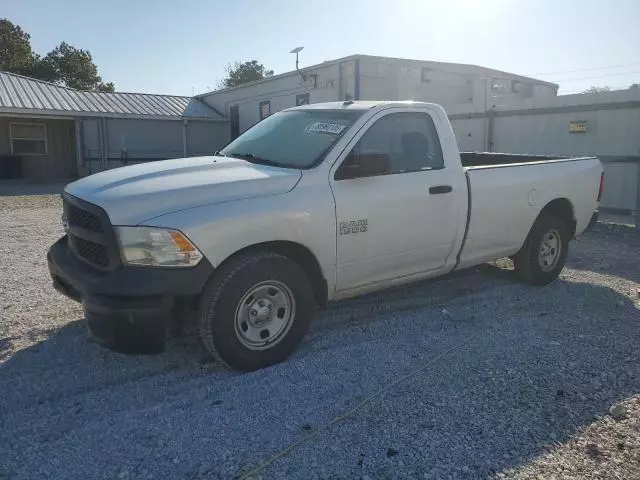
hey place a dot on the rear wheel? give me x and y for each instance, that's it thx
(256, 310)
(544, 253)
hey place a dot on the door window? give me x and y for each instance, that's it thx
(408, 141)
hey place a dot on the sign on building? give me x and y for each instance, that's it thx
(577, 126)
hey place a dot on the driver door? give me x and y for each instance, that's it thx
(394, 224)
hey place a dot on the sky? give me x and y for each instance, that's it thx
(182, 47)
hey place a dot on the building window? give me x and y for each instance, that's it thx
(28, 138)
(302, 99)
(265, 109)
(425, 75)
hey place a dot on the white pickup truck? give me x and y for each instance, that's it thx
(313, 204)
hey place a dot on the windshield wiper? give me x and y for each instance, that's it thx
(250, 157)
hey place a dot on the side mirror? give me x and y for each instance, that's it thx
(365, 164)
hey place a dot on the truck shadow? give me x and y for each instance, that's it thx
(609, 249)
(68, 353)
(570, 345)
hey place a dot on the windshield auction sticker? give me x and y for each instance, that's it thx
(324, 127)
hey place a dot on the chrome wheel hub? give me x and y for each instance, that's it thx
(264, 315)
(549, 251)
(260, 312)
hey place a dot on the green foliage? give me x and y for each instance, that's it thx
(604, 89)
(246, 72)
(72, 67)
(64, 65)
(105, 87)
(15, 49)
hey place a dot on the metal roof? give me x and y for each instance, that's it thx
(19, 94)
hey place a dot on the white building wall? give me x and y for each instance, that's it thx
(328, 82)
(542, 91)
(449, 85)
(611, 132)
(378, 78)
(471, 134)
(391, 79)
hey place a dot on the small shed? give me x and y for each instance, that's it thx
(48, 131)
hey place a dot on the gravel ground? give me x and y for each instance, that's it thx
(470, 376)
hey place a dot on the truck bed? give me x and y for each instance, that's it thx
(504, 202)
(485, 159)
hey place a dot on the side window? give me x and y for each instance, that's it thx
(408, 142)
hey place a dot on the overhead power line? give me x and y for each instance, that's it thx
(581, 90)
(587, 69)
(636, 72)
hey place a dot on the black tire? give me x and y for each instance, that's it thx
(221, 300)
(529, 267)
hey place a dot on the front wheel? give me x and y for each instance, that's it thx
(544, 253)
(256, 310)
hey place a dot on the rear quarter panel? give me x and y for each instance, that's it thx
(506, 200)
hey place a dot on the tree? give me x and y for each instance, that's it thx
(15, 49)
(74, 68)
(240, 73)
(64, 65)
(106, 87)
(604, 89)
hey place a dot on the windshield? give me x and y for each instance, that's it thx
(292, 139)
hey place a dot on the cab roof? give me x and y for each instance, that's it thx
(355, 105)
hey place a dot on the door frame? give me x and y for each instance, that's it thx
(446, 140)
(436, 116)
(433, 112)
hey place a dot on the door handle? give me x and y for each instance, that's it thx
(438, 189)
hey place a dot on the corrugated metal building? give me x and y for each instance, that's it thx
(49, 131)
(364, 77)
(604, 124)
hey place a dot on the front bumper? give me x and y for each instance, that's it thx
(127, 309)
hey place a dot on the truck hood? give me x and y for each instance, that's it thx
(130, 195)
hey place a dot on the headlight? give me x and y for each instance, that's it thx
(158, 247)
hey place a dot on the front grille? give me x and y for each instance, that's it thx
(83, 219)
(90, 251)
(91, 236)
